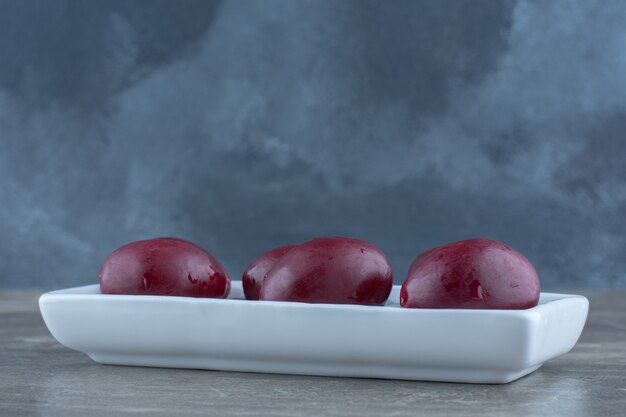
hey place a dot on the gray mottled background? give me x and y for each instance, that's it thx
(247, 124)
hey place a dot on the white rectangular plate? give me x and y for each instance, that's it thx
(480, 346)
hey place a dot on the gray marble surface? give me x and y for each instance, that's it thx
(39, 377)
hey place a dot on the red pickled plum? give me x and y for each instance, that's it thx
(334, 270)
(254, 275)
(473, 273)
(164, 266)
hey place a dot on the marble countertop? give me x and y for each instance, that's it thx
(40, 377)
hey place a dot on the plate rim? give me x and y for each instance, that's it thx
(69, 294)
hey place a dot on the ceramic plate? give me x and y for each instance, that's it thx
(480, 346)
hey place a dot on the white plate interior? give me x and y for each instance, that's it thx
(236, 294)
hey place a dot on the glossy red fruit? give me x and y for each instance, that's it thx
(333, 270)
(254, 275)
(473, 273)
(164, 266)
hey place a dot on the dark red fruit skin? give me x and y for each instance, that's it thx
(473, 273)
(164, 266)
(333, 270)
(254, 275)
